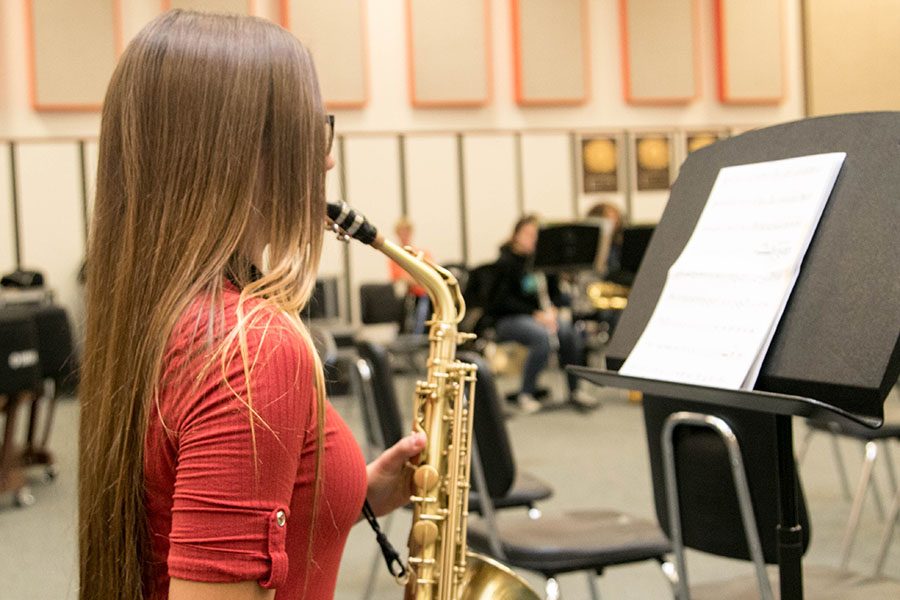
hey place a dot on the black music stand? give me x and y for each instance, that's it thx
(567, 247)
(837, 346)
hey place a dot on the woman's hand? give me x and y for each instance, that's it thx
(390, 481)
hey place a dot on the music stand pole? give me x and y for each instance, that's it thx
(790, 533)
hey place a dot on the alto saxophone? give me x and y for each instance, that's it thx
(440, 566)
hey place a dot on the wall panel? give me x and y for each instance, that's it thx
(335, 32)
(373, 186)
(659, 51)
(551, 48)
(243, 7)
(432, 181)
(71, 65)
(860, 73)
(547, 175)
(449, 52)
(52, 226)
(491, 194)
(751, 51)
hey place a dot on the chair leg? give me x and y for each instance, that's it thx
(741, 486)
(856, 509)
(551, 589)
(876, 490)
(671, 573)
(889, 465)
(592, 586)
(842, 469)
(888, 534)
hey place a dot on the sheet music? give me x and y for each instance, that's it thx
(725, 294)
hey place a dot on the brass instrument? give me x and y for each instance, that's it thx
(440, 566)
(605, 295)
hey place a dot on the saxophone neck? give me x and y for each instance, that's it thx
(441, 285)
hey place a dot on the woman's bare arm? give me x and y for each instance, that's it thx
(182, 589)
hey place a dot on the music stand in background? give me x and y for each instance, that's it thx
(837, 346)
(569, 247)
(635, 239)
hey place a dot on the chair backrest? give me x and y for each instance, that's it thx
(390, 420)
(324, 302)
(477, 294)
(710, 510)
(494, 447)
(378, 303)
(20, 365)
(461, 272)
(57, 348)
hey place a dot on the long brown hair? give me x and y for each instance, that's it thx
(212, 141)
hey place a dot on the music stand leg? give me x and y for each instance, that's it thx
(790, 534)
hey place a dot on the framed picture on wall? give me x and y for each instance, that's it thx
(600, 163)
(652, 152)
(694, 140)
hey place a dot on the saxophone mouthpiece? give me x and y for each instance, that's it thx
(351, 223)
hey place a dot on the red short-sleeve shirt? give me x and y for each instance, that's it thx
(223, 506)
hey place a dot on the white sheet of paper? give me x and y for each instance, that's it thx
(726, 292)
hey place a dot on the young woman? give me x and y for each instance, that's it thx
(211, 464)
(519, 316)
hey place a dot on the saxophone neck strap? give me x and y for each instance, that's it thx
(394, 564)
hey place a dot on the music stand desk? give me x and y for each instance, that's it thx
(839, 338)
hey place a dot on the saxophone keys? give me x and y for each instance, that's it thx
(425, 533)
(426, 478)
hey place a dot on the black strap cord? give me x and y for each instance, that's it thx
(394, 564)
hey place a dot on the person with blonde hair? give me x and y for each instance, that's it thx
(211, 463)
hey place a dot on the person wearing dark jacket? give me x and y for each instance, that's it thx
(516, 310)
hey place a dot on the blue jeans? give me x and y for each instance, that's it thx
(526, 330)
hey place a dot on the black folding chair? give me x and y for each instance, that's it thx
(870, 440)
(555, 544)
(715, 487)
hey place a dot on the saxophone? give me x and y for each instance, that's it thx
(440, 566)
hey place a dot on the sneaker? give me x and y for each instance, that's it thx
(584, 401)
(527, 404)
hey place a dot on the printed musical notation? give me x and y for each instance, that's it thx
(726, 292)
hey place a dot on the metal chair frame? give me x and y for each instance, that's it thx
(745, 503)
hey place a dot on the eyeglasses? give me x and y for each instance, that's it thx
(329, 132)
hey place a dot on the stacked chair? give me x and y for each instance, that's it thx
(20, 384)
(37, 361)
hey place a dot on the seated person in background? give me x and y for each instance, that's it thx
(610, 213)
(417, 301)
(518, 316)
